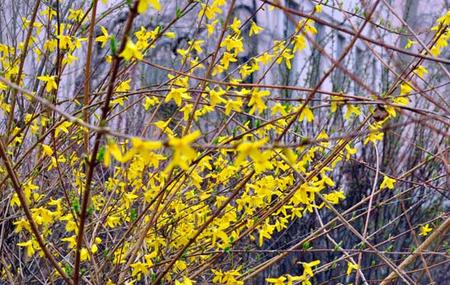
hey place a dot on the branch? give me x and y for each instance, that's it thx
(439, 232)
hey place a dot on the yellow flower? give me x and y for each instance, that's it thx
(183, 153)
(103, 38)
(112, 221)
(254, 29)
(46, 150)
(29, 245)
(49, 12)
(63, 128)
(187, 110)
(94, 248)
(84, 254)
(142, 147)
(76, 15)
(50, 82)
(277, 108)
(180, 265)
(196, 45)
(334, 197)
(227, 58)
(318, 9)
(299, 43)
(114, 150)
(139, 268)
(256, 100)
(401, 100)
(233, 106)
(308, 272)
(144, 4)
(131, 51)
(150, 102)
(209, 11)
(291, 279)
(351, 109)
(265, 58)
(351, 266)
(405, 88)
(424, 230)
(21, 224)
(277, 281)
(211, 27)
(410, 43)
(236, 25)
(420, 71)
(387, 183)
(251, 149)
(170, 35)
(177, 95)
(374, 135)
(306, 114)
(186, 281)
(69, 59)
(71, 240)
(124, 86)
(216, 97)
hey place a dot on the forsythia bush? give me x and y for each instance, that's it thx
(185, 198)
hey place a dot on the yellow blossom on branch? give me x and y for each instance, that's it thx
(50, 82)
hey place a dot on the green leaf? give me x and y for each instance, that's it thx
(105, 252)
(101, 154)
(90, 210)
(185, 255)
(68, 269)
(338, 246)
(113, 44)
(360, 245)
(390, 248)
(133, 214)
(76, 206)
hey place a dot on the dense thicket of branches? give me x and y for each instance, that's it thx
(224, 142)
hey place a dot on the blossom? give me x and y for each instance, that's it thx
(307, 267)
(183, 152)
(351, 266)
(254, 29)
(131, 51)
(29, 245)
(50, 82)
(424, 230)
(103, 38)
(387, 183)
(276, 281)
(144, 4)
(177, 95)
